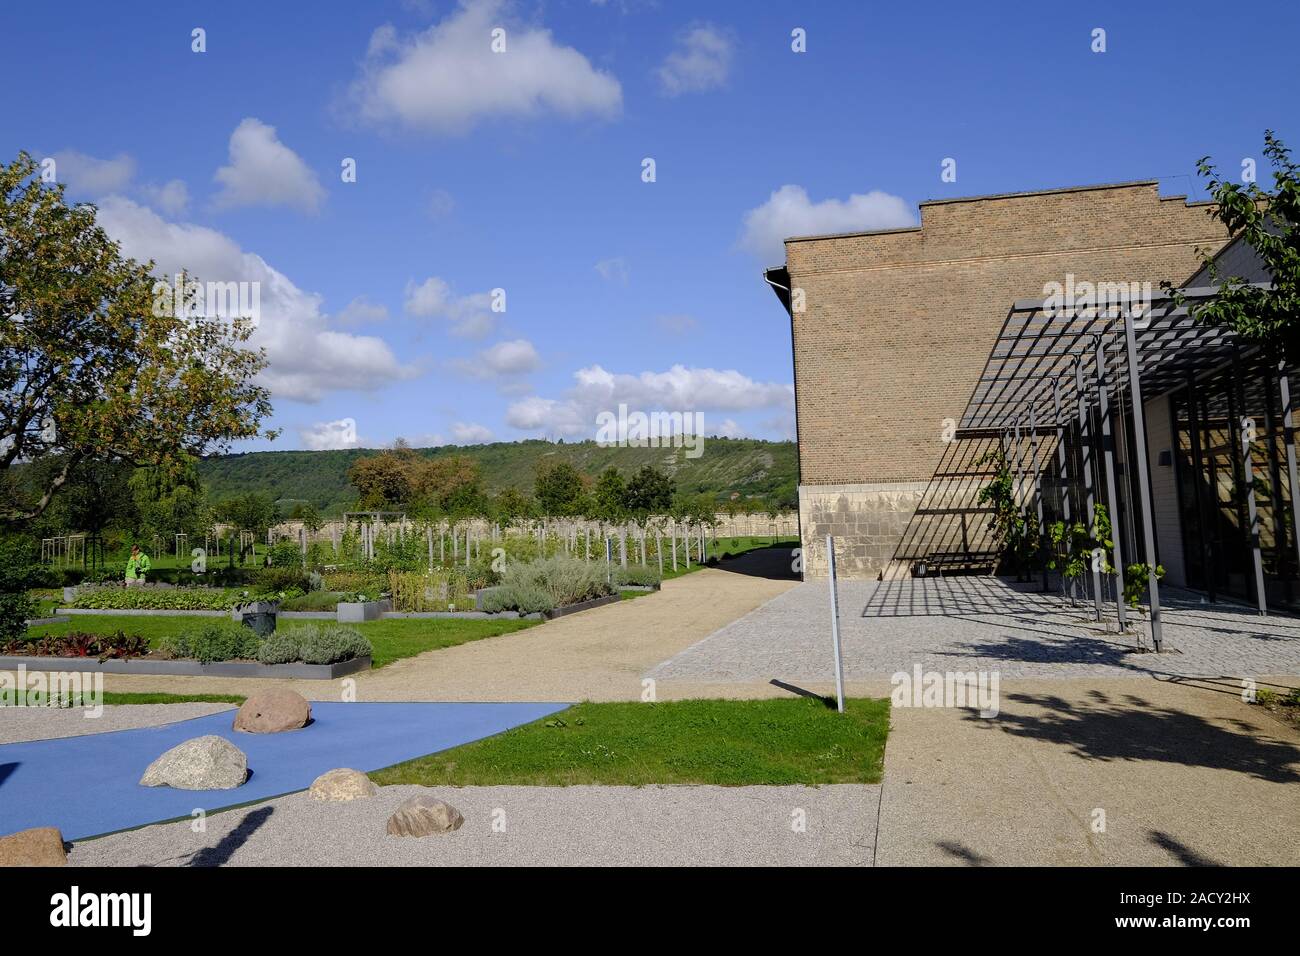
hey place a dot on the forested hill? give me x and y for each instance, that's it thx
(752, 468)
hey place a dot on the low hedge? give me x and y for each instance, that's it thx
(159, 599)
(212, 641)
(314, 644)
(546, 584)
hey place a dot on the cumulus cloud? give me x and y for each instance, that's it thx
(463, 433)
(789, 212)
(323, 436)
(172, 197)
(361, 311)
(446, 79)
(728, 429)
(679, 389)
(613, 270)
(87, 175)
(265, 172)
(470, 316)
(700, 61)
(307, 358)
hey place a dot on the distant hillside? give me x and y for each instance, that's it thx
(747, 466)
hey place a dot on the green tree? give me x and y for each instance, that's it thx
(511, 505)
(89, 369)
(609, 497)
(649, 491)
(559, 488)
(1270, 223)
(253, 512)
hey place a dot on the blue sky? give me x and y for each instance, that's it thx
(522, 171)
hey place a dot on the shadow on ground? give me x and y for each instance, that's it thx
(775, 563)
(1136, 729)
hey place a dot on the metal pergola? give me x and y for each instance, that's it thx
(1065, 376)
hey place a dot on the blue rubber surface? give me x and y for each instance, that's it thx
(89, 785)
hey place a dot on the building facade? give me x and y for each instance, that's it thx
(891, 331)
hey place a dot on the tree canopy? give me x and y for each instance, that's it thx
(88, 370)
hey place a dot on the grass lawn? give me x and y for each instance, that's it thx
(392, 639)
(722, 548)
(722, 742)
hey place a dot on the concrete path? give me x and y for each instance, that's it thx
(601, 654)
(1088, 772)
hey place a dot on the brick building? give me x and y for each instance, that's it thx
(891, 332)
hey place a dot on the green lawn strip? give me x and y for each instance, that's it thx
(722, 549)
(118, 699)
(720, 742)
(392, 640)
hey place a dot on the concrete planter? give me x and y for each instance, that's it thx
(356, 612)
(580, 606)
(91, 665)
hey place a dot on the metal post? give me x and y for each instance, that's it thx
(835, 625)
(1038, 491)
(1063, 472)
(609, 561)
(1144, 488)
(1019, 474)
(1108, 456)
(1246, 428)
(1085, 451)
(1288, 433)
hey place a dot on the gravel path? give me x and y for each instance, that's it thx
(19, 724)
(601, 654)
(982, 624)
(543, 826)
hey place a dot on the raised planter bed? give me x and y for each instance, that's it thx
(57, 619)
(141, 612)
(141, 665)
(468, 615)
(355, 612)
(580, 606)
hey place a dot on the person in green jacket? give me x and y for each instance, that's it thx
(137, 567)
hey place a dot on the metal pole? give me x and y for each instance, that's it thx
(1144, 488)
(835, 625)
(1085, 445)
(1038, 490)
(1108, 455)
(1063, 471)
(1246, 427)
(1288, 432)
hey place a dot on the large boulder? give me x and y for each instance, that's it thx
(272, 711)
(341, 785)
(424, 815)
(40, 847)
(204, 763)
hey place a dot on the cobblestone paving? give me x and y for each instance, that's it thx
(982, 623)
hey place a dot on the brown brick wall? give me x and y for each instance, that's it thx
(897, 326)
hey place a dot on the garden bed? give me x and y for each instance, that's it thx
(156, 666)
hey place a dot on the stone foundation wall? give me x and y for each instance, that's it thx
(868, 522)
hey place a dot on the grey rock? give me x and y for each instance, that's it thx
(341, 785)
(424, 815)
(204, 763)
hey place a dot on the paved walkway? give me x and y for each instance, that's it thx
(983, 624)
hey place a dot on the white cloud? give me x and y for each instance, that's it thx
(327, 435)
(700, 61)
(789, 212)
(613, 270)
(361, 311)
(677, 389)
(87, 175)
(728, 429)
(447, 78)
(470, 434)
(471, 316)
(516, 357)
(265, 172)
(172, 197)
(307, 358)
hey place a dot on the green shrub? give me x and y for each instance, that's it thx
(284, 554)
(314, 601)
(212, 641)
(640, 575)
(524, 598)
(329, 643)
(279, 648)
(18, 572)
(274, 580)
(158, 599)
